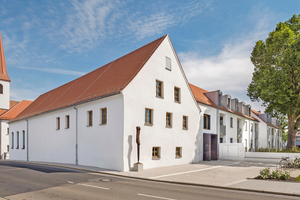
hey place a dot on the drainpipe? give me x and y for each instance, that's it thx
(27, 141)
(76, 134)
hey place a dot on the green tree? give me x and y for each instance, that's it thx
(276, 74)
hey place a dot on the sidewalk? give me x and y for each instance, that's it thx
(220, 174)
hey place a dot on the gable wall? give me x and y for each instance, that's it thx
(141, 94)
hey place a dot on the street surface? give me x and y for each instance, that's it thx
(30, 181)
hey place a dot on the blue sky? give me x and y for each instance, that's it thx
(49, 43)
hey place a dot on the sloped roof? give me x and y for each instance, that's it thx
(200, 96)
(106, 80)
(269, 124)
(3, 70)
(15, 110)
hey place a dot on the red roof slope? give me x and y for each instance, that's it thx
(108, 79)
(257, 113)
(17, 109)
(200, 96)
(3, 70)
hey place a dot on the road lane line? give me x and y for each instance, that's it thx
(198, 170)
(146, 195)
(103, 188)
(228, 184)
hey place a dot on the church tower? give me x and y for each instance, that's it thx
(4, 80)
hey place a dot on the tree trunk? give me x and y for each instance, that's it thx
(291, 132)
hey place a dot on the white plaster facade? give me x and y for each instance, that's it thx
(4, 139)
(113, 145)
(4, 97)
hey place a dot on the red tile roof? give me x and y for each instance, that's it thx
(200, 96)
(15, 110)
(106, 80)
(3, 70)
(269, 124)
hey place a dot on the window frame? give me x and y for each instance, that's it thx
(178, 152)
(148, 116)
(57, 123)
(12, 140)
(156, 150)
(67, 119)
(169, 120)
(18, 139)
(159, 87)
(246, 124)
(184, 122)
(103, 116)
(206, 125)
(177, 96)
(231, 122)
(90, 118)
(23, 136)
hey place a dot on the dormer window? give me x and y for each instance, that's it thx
(228, 103)
(249, 111)
(1, 89)
(220, 99)
(236, 105)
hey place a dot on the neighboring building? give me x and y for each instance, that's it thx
(92, 120)
(270, 132)
(226, 120)
(8, 109)
(298, 140)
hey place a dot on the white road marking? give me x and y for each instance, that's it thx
(198, 170)
(103, 188)
(70, 182)
(228, 184)
(146, 195)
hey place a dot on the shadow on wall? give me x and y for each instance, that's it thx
(199, 144)
(129, 151)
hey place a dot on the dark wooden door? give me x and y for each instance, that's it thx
(214, 147)
(206, 147)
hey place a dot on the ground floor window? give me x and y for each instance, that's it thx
(221, 140)
(178, 152)
(156, 152)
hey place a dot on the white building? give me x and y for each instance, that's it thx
(8, 109)
(92, 120)
(271, 134)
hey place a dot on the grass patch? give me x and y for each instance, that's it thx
(298, 179)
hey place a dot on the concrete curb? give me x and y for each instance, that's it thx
(164, 181)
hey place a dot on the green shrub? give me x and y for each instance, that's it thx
(265, 173)
(276, 174)
(298, 179)
(267, 149)
(285, 175)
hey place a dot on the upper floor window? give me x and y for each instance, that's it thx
(185, 122)
(148, 116)
(245, 126)
(57, 123)
(67, 121)
(1, 89)
(90, 118)
(12, 140)
(23, 139)
(169, 119)
(18, 135)
(206, 121)
(7, 131)
(159, 88)
(177, 94)
(168, 63)
(231, 122)
(103, 115)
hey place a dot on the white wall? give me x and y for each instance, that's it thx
(233, 151)
(4, 98)
(20, 153)
(141, 94)
(98, 145)
(4, 137)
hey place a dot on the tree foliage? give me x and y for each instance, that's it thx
(276, 75)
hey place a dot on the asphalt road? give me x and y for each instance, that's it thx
(29, 181)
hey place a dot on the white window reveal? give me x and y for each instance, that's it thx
(168, 63)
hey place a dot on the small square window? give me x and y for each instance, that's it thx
(177, 94)
(206, 122)
(156, 152)
(67, 121)
(168, 119)
(168, 64)
(221, 140)
(178, 152)
(103, 115)
(159, 89)
(148, 116)
(90, 118)
(185, 122)
(57, 123)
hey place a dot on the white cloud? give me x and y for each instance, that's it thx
(56, 71)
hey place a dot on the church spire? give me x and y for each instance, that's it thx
(3, 70)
